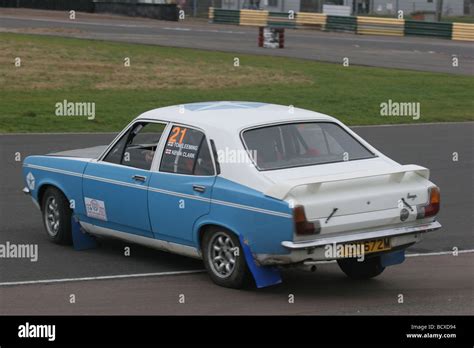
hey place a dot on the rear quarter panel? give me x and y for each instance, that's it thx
(263, 222)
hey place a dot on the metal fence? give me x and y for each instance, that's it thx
(192, 8)
(198, 8)
(356, 7)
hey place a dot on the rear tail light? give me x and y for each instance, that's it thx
(432, 208)
(302, 226)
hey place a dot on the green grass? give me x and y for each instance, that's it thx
(54, 69)
(459, 19)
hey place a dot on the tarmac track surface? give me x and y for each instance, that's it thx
(431, 283)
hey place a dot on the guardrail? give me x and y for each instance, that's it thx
(360, 24)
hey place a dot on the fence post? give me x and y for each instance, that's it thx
(439, 10)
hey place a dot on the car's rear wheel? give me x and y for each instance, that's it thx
(224, 259)
(369, 268)
(56, 216)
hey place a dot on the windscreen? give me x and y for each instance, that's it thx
(302, 144)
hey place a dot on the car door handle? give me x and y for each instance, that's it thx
(199, 188)
(139, 178)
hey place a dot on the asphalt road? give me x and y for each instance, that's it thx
(436, 284)
(415, 53)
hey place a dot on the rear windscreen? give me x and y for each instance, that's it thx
(302, 144)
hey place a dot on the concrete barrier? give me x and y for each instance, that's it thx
(463, 31)
(253, 18)
(380, 26)
(311, 20)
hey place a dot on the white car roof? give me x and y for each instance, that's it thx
(223, 121)
(230, 115)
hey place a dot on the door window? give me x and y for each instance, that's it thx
(137, 146)
(187, 152)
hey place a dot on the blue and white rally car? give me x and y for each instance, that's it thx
(244, 186)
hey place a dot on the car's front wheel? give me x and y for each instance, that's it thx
(224, 259)
(369, 268)
(56, 216)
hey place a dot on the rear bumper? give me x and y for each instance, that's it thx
(360, 236)
(314, 250)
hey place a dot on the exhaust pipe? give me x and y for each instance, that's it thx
(307, 266)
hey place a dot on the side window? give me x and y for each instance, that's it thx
(204, 164)
(115, 154)
(137, 147)
(186, 152)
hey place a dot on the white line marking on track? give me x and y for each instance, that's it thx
(50, 20)
(124, 276)
(118, 276)
(441, 253)
(177, 29)
(205, 30)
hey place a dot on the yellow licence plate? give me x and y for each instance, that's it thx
(371, 246)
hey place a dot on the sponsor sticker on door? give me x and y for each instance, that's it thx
(95, 208)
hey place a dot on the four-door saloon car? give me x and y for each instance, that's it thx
(202, 180)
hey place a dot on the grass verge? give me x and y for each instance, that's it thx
(54, 69)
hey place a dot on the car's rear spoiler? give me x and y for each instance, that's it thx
(281, 189)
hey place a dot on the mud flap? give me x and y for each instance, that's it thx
(80, 239)
(391, 259)
(264, 276)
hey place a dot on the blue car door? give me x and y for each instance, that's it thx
(180, 190)
(115, 188)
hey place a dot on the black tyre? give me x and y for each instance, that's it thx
(369, 268)
(224, 259)
(56, 216)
